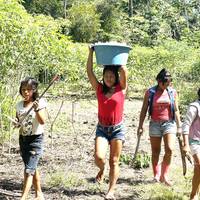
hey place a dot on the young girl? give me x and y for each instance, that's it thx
(162, 103)
(110, 130)
(191, 137)
(31, 134)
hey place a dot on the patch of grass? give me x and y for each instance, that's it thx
(180, 189)
(95, 188)
(142, 160)
(126, 159)
(166, 193)
(61, 179)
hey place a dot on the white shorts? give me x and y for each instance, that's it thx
(195, 149)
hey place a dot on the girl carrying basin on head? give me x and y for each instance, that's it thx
(110, 128)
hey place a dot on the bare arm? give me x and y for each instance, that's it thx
(177, 115)
(90, 73)
(189, 118)
(143, 114)
(123, 77)
(40, 116)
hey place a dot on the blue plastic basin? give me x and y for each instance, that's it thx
(111, 53)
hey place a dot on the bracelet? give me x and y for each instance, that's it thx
(36, 110)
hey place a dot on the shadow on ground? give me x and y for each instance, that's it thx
(11, 185)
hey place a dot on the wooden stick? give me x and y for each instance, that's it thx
(184, 164)
(137, 146)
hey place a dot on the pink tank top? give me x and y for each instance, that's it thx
(110, 110)
(161, 106)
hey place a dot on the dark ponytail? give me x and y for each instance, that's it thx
(164, 76)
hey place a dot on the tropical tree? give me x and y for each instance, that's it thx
(54, 8)
(85, 22)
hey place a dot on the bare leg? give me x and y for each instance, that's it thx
(101, 145)
(169, 142)
(196, 178)
(37, 186)
(156, 147)
(115, 152)
(28, 178)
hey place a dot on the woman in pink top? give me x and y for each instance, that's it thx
(110, 130)
(191, 137)
(161, 101)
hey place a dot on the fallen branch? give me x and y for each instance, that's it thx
(10, 193)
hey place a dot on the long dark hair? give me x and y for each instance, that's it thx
(198, 93)
(114, 70)
(164, 76)
(29, 81)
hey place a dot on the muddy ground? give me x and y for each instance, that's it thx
(67, 166)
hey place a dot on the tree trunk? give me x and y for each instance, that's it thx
(64, 8)
(130, 8)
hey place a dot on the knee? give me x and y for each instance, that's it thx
(113, 162)
(155, 153)
(99, 158)
(168, 152)
(197, 167)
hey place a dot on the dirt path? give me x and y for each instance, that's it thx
(67, 167)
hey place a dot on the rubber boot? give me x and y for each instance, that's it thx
(164, 174)
(156, 172)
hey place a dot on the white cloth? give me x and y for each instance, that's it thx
(195, 149)
(191, 124)
(30, 125)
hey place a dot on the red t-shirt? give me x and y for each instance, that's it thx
(110, 110)
(161, 110)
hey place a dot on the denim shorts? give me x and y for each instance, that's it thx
(116, 132)
(159, 129)
(31, 149)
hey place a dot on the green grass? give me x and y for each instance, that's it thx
(142, 160)
(62, 179)
(180, 190)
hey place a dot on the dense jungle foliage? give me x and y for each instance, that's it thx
(41, 38)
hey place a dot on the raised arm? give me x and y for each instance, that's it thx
(123, 75)
(90, 73)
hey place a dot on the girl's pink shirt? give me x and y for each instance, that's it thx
(161, 110)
